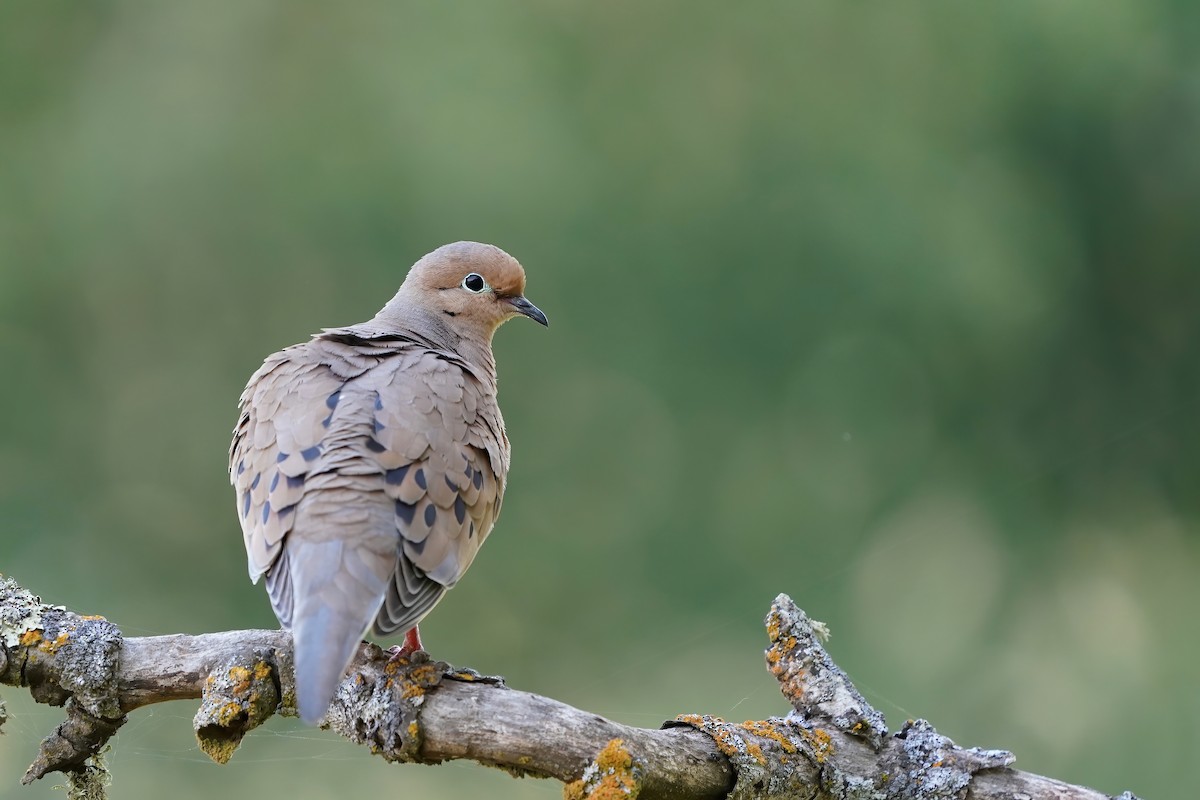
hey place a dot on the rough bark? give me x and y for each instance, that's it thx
(832, 745)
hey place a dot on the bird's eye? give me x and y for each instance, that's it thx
(474, 283)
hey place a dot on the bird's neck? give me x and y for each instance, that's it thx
(472, 345)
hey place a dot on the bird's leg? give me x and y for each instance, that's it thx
(412, 643)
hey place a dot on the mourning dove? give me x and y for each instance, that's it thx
(370, 461)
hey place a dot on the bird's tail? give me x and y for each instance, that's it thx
(337, 594)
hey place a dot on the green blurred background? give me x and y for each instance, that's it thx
(891, 307)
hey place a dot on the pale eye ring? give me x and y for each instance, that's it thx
(474, 283)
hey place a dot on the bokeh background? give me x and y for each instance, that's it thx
(891, 307)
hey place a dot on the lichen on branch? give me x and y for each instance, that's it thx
(832, 745)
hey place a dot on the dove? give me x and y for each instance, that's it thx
(370, 462)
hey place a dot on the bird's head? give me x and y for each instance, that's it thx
(470, 288)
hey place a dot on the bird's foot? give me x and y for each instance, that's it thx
(404, 652)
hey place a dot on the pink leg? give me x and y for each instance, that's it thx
(412, 643)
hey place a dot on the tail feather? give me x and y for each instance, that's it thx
(325, 643)
(337, 593)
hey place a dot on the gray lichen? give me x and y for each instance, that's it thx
(929, 766)
(771, 758)
(87, 660)
(816, 687)
(822, 740)
(62, 654)
(18, 612)
(379, 707)
(64, 659)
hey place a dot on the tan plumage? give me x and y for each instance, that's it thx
(370, 461)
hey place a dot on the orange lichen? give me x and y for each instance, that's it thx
(766, 730)
(726, 741)
(52, 647)
(426, 675)
(229, 713)
(413, 729)
(820, 742)
(241, 679)
(614, 756)
(411, 690)
(30, 638)
(610, 777)
(239, 695)
(755, 752)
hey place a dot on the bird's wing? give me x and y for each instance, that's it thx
(294, 459)
(443, 466)
(285, 415)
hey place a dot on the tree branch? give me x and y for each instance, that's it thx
(833, 744)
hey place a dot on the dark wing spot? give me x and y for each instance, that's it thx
(241, 467)
(332, 401)
(378, 402)
(274, 482)
(471, 530)
(417, 547)
(460, 509)
(245, 505)
(295, 483)
(449, 482)
(396, 476)
(283, 512)
(266, 511)
(325, 422)
(420, 479)
(254, 484)
(430, 515)
(477, 479)
(279, 459)
(378, 426)
(309, 453)
(374, 446)
(405, 511)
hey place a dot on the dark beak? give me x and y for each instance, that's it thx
(528, 309)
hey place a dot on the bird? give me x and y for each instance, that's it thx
(370, 462)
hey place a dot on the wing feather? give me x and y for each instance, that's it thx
(327, 426)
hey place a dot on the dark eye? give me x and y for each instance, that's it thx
(474, 283)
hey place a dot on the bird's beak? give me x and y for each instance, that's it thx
(528, 309)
